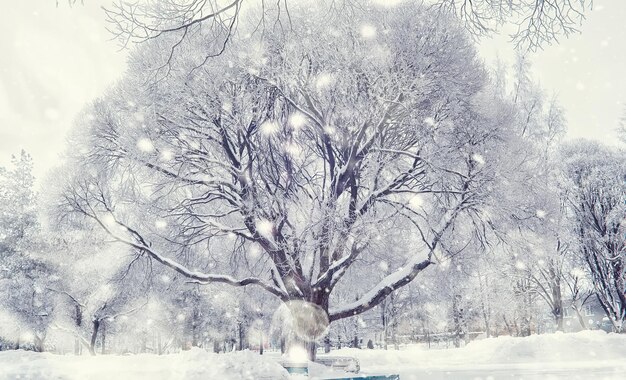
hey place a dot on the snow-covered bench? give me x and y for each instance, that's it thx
(344, 363)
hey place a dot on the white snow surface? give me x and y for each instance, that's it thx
(195, 364)
(583, 355)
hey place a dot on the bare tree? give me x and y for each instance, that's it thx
(579, 294)
(621, 129)
(539, 22)
(598, 178)
(311, 157)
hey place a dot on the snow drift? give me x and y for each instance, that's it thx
(188, 365)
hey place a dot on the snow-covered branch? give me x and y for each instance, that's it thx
(379, 292)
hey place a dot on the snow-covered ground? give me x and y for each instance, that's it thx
(584, 355)
(195, 364)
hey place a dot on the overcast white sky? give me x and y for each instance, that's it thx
(55, 60)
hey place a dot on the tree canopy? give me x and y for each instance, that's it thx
(296, 149)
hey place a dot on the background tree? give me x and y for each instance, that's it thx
(24, 273)
(538, 22)
(597, 178)
(621, 129)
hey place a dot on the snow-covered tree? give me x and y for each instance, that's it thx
(301, 158)
(97, 285)
(621, 128)
(25, 276)
(538, 22)
(597, 176)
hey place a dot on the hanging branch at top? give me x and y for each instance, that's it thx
(539, 22)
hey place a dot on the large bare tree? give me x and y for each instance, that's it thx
(300, 154)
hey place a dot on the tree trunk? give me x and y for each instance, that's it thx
(94, 336)
(581, 318)
(383, 318)
(311, 348)
(458, 320)
(103, 338)
(355, 339)
(394, 338)
(78, 320)
(385, 333)
(194, 327)
(486, 312)
(527, 319)
(557, 299)
(241, 335)
(39, 343)
(559, 322)
(486, 320)
(508, 326)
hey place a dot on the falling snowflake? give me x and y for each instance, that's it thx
(330, 130)
(227, 107)
(362, 323)
(167, 155)
(108, 220)
(292, 149)
(430, 121)
(383, 266)
(368, 32)
(540, 214)
(160, 224)
(139, 117)
(265, 227)
(323, 81)
(297, 120)
(255, 251)
(145, 145)
(51, 114)
(478, 159)
(416, 201)
(270, 127)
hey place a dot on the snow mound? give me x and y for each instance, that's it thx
(190, 365)
(584, 345)
(576, 347)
